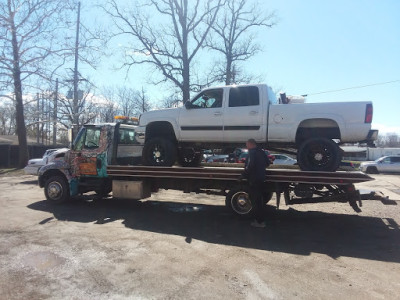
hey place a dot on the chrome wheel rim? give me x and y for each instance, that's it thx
(54, 190)
(241, 203)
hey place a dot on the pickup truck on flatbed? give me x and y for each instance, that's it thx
(225, 117)
(104, 158)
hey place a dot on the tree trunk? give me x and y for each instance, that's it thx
(19, 105)
(228, 79)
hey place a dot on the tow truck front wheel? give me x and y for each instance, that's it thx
(56, 189)
(159, 152)
(319, 154)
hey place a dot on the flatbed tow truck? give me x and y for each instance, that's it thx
(104, 158)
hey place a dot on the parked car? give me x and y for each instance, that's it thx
(206, 154)
(33, 166)
(217, 158)
(386, 164)
(346, 166)
(282, 159)
(242, 157)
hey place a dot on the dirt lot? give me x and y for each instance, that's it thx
(186, 246)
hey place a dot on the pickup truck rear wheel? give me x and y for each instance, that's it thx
(159, 152)
(56, 189)
(188, 157)
(319, 154)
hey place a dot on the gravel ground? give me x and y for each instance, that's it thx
(187, 246)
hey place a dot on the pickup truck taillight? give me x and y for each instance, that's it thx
(368, 113)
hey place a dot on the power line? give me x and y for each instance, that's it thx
(352, 88)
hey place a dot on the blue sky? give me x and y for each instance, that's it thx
(317, 46)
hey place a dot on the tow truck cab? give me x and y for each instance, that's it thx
(84, 167)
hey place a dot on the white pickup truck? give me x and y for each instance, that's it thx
(225, 117)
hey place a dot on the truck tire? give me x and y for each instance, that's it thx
(371, 170)
(238, 201)
(56, 189)
(159, 152)
(319, 154)
(188, 157)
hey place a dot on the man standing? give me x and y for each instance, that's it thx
(254, 172)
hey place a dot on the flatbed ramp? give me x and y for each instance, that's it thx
(232, 174)
(296, 186)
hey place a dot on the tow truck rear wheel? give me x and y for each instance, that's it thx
(319, 154)
(56, 189)
(188, 157)
(159, 152)
(238, 201)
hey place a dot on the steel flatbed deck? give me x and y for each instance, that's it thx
(297, 186)
(232, 174)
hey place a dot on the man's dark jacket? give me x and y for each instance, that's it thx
(255, 165)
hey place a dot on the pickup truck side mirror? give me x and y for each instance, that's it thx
(188, 105)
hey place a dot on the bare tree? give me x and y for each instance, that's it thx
(107, 111)
(169, 47)
(128, 101)
(143, 103)
(28, 38)
(7, 117)
(390, 139)
(234, 39)
(84, 112)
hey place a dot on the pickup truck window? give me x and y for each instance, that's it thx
(208, 99)
(244, 96)
(271, 96)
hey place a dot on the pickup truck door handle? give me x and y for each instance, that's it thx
(217, 113)
(253, 112)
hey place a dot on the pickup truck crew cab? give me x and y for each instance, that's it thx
(225, 117)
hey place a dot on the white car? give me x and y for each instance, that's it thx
(33, 166)
(217, 158)
(386, 164)
(282, 159)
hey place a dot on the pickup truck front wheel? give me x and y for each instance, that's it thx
(188, 157)
(56, 189)
(319, 154)
(159, 152)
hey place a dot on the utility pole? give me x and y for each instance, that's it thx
(42, 119)
(38, 118)
(55, 115)
(76, 79)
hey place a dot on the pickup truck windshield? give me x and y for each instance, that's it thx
(271, 96)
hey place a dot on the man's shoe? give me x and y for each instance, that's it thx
(257, 224)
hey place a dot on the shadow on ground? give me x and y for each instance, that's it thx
(289, 231)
